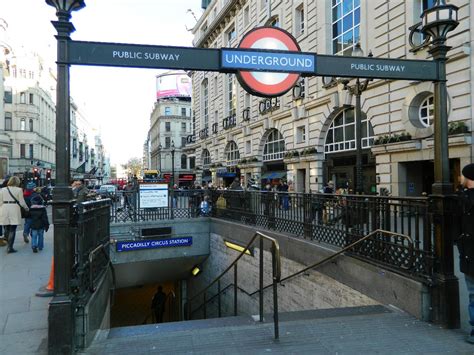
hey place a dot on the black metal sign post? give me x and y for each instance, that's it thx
(225, 60)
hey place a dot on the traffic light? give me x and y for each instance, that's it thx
(48, 174)
(35, 174)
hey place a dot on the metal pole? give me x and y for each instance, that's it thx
(446, 292)
(235, 290)
(172, 168)
(61, 308)
(260, 292)
(358, 123)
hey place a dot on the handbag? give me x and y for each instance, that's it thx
(24, 212)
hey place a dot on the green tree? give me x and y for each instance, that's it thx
(133, 166)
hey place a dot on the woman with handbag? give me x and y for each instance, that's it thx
(11, 205)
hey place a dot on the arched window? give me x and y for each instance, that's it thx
(426, 111)
(184, 161)
(206, 158)
(205, 103)
(274, 146)
(341, 135)
(232, 154)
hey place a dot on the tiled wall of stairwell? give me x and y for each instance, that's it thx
(312, 290)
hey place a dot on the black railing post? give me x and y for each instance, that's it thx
(275, 293)
(235, 290)
(219, 298)
(204, 305)
(307, 217)
(261, 281)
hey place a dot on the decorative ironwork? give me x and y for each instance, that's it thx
(332, 219)
(229, 122)
(204, 133)
(415, 31)
(190, 139)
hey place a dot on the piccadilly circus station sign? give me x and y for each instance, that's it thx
(278, 71)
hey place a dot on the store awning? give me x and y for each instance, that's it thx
(274, 175)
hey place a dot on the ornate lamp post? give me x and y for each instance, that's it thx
(61, 308)
(172, 163)
(437, 21)
(356, 90)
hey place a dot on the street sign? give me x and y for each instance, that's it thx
(380, 68)
(131, 245)
(271, 54)
(143, 56)
(268, 84)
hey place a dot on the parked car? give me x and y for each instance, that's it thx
(108, 191)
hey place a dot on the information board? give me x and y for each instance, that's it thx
(153, 195)
(131, 245)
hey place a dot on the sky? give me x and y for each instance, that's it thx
(117, 101)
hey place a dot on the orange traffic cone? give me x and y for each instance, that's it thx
(48, 290)
(50, 285)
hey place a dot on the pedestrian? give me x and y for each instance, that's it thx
(11, 198)
(158, 304)
(3, 239)
(465, 241)
(39, 223)
(80, 191)
(205, 206)
(28, 194)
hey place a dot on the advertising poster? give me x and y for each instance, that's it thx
(153, 195)
(173, 85)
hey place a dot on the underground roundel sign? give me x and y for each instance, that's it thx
(264, 83)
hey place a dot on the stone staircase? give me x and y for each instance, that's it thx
(354, 330)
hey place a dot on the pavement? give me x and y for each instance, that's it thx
(24, 324)
(24, 316)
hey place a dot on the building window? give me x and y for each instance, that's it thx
(274, 146)
(22, 151)
(167, 142)
(205, 103)
(74, 148)
(246, 16)
(183, 111)
(167, 111)
(86, 151)
(299, 20)
(183, 141)
(248, 147)
(274, 22)
(426, 112)
(232, 154)
(301, 134)
(184, 161)
(8, 121)
(7, 98)
(192, 162)
(32, 101)
(22, 124)
(31, 125)
(231, 96)
(183, 126)
(231, 35)
(168, 126)
(31, 151)
(215, 85)
(246, 100)
(341, 135)
(206, 158)
(345, 25)
(81, 151)
(22, 98)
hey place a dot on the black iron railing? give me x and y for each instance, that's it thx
(338, 220)
(91, 234)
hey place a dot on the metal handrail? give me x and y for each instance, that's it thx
(276, 275)
(332, 256)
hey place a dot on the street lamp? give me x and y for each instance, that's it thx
(437, 21)
(172, 163)
(61, 307)
(356, 90)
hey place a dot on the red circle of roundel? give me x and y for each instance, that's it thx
(281, 39)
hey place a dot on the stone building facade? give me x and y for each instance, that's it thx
(170, 125)
(308, 134)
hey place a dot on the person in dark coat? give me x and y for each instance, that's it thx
(465, 241)
(158, 304)
(39, 223)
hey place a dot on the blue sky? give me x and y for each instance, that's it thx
(116, 100)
